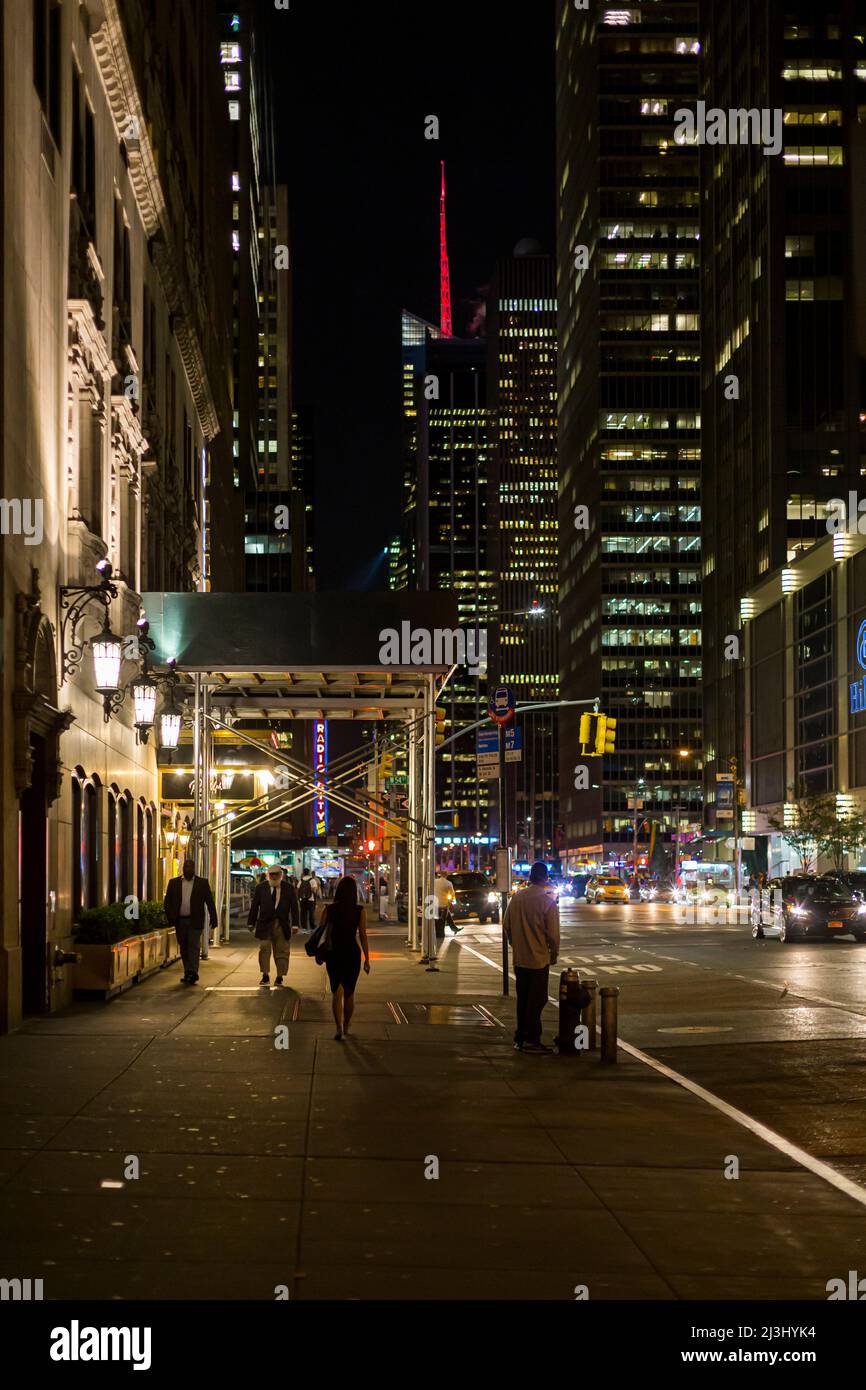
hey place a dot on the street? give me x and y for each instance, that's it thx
(775, 1030)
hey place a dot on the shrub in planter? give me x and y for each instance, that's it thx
(151, 916)
(103, 926)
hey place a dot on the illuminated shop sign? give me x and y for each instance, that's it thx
(320, 762)
(857, 689)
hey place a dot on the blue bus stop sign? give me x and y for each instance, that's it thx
(501, 705)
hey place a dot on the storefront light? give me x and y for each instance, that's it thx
(170, 722)
(107, 658)
(144, 702)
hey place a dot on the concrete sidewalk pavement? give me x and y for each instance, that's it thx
(314, 1168)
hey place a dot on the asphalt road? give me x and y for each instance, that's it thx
(777, 1030)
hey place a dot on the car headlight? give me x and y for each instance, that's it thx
(798, 911)
(492, 897)
(861, 909)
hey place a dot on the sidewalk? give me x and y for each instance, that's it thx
(306, 1168)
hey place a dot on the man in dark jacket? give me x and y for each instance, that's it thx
(273, 908)
(186, 900)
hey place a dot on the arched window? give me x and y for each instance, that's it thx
(124, 840)
(152, 854)
(140, 852)
(112, 844)
(90, 857)
(77, 844)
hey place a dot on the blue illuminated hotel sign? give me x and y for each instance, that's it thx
(857, 689)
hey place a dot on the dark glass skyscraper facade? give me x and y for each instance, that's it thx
(629, 419)
(444, 545)
(523, 529)
(784, 311)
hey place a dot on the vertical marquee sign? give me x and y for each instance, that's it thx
(320, 762)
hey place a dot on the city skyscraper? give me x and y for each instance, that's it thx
(629, 419)
(446, 536)
(784, 315)
(523, 527)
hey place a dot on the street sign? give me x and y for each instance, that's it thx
(501, 705)
(634, 805)
(487, 753)
(724, 796)
(513, 744)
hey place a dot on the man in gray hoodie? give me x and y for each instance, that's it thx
(532, 928)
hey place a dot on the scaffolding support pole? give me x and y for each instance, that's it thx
(412, 838)
(197, 813)
(428, 748)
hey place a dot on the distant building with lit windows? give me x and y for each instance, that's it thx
(629, 421)
(523, 530)
(445, 541)
(784, 311)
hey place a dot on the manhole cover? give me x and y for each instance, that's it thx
(696, 1028)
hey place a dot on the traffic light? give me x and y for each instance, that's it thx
(372, 846)
(440, 726)
(585, 729)
(386, 767)
(605, 735)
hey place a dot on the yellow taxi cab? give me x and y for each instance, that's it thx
(605, 888)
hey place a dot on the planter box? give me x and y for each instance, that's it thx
(107, 969)
(172, 950)
(152, 952)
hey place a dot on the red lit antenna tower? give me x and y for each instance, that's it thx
(444, 272)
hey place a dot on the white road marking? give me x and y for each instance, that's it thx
(851, 1007)
(822, 1170)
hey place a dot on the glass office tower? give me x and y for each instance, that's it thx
(523, 531)
(629, 422)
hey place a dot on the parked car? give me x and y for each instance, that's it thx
(799, 907)
(605, 888)
(658, 893)
(475, 895)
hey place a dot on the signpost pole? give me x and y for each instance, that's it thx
(503, 845)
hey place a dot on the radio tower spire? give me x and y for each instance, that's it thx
(444, 272)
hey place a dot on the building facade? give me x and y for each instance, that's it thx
(445, 546)
(521, 329)
(784, 318)
(116, 427)
(805, 640)
(629, 424)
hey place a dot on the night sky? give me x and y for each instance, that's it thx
(353, 89)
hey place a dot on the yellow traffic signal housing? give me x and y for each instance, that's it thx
(585, 729)
(600, 727)
(605, 735)
(440, 726)
(386, 766)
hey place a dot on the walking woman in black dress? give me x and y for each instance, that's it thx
(347, 921)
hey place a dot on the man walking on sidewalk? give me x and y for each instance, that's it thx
(532, 929)
(273, 904)
(186, 901)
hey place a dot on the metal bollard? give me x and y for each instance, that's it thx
(588, 1012)
(609, 998)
